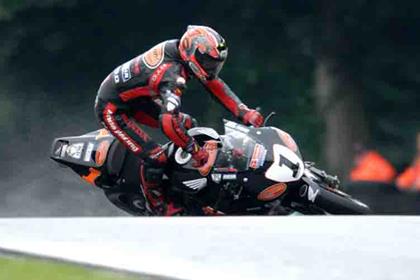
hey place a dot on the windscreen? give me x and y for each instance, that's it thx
(237, 151)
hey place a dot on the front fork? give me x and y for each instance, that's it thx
(309, 191)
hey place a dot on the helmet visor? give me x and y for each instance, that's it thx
(211, 65)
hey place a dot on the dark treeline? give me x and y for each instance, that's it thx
(336, 73)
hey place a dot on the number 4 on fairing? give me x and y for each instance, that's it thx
(287, 166)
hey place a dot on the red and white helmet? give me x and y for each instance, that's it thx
(204, 50)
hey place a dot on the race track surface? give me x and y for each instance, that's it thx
(230, 247)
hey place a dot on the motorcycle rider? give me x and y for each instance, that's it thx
(148, 89)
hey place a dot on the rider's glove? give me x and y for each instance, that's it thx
(253, 117)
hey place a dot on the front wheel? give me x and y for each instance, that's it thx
(332, 201)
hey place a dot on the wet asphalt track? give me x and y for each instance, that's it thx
(229, 248)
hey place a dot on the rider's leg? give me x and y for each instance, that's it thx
(126, 129)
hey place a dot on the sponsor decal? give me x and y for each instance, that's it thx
(312, 194)
(272, 192)
(88, 153)
(154, 57)
(196, 184)
(303, 190)
(63, 150)
(125, 72)
(157, 76)
(119, 133)
(253, 209)
(216, 177)
(75, 150)
(226, 169)
(102, 152)
(58, 151)
(229, 177)
(117, 75)
(258, 156)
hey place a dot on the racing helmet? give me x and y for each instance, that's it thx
(203, 50)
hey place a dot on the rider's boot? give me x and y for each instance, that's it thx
(151, 181)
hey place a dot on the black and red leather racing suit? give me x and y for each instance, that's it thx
(147, 91)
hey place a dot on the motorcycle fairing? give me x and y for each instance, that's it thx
(81, 150)
(197, 132)
(286, 167)
(252, 137)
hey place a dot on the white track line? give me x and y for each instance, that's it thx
(230, 247)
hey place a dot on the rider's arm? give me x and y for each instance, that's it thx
(173, 123)
(221, 91)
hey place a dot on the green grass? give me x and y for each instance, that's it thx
(33, 269)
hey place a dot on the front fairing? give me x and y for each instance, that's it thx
(246, 156)
(239, 175)
(247, 148)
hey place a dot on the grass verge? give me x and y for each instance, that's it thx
(27, 268)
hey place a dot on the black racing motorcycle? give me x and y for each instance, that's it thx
(250, 171)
